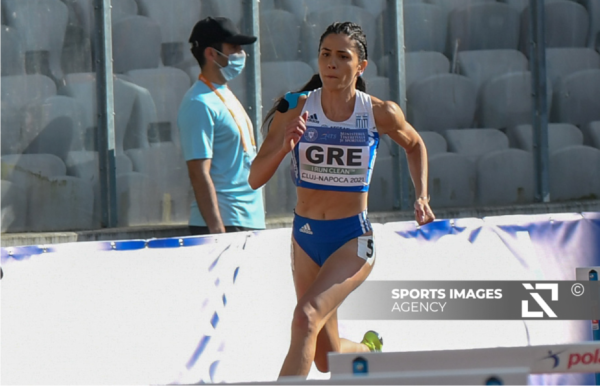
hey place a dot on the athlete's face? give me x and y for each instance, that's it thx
(339, 63)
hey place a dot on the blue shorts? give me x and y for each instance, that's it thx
(320, 238)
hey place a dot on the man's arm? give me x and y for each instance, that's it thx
(205, 194)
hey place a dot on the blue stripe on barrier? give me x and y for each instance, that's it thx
(212, 370)
(181, 242)
(215, 320)
(165, 243)
(224, 300)
(125, 245)
(235, 273)
(199, 350)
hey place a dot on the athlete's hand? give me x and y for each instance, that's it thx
(294, 130)
(423, 213)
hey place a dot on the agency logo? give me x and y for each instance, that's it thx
(553, 287)
(311, 134)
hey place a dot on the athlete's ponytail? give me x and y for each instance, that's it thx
(354, 32)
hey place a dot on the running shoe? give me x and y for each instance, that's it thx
(373, 341)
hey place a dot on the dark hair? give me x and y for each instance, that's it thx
(198, 52)
(354, 32)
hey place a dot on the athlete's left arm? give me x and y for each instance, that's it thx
(390, 120)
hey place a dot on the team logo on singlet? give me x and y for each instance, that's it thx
(311, 134)
(362, 121)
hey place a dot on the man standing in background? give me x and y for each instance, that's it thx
(217, 135)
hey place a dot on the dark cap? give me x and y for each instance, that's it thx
(217, 30)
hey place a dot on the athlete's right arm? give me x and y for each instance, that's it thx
(284, 133)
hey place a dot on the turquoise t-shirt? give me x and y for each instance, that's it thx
(208, 130)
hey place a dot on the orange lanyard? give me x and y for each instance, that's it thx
(248, 123)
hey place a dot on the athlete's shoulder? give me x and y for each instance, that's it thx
(386, 112)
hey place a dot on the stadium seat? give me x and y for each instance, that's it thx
(448, 6)
(84, 13)
(282, 77)
(575, 173)
(11, 130)
(52, 126)
(425, 27)
(302, 9)
(280, 191)
(60, 204)
(441, 102)
(381, 190)
(138, 200)
(44, 165)
(451, 180)
(561, 62)
(14, 207)
(20, 90)
(41, 24)
(128, 53)
(483, 26)
(506, 101)
(567, 25)
(434, 142)
(318, 21)
(475, 143)
(560, 135)
(231, 9)
(577, 97)
(379, 87)
(505, 177)
(176, 19)
(593, 8)
(422, 65)
(375, 7)
(267, 5)
(167, 85)
(591, 134)
(13, 59)
(279, 36)
(165, 166)
(519, 5)
(483, 65)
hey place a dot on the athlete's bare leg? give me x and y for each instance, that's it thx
(320, 292)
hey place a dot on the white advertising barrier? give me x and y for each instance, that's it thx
(185, 311)
(569, 358)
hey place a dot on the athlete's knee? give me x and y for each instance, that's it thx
(306, 319)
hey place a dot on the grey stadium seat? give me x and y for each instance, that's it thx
(138, 200)
(318, 21)
(434, 142)
(483, 26)
(165, 166)
(483, 65)
(561, 62)
(560, 135)
(13, 59)
(425, 27)
(451, 180)
(231, 9)
(11, 130)
(128, 53)
(379, 87)
(474, 143)
(279, 36)
(422, 65)
(375, 7)
(84, 12)
(567, 24)
(519, 5)
(41, 25)
(302, 9)
(381, 192)
(176, 19)
(575, 173)
(441, 102)
(505, 177)
(593, 8)
(282, 77)
(506, 101)
(167, 85)
(14, 207)
(449, 6)
(53, 126)
(577, 98)
(20, 90)
(591, 134)
(280, 191)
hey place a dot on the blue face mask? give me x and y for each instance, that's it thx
(235, 66)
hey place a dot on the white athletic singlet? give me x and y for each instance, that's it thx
(336, 155)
